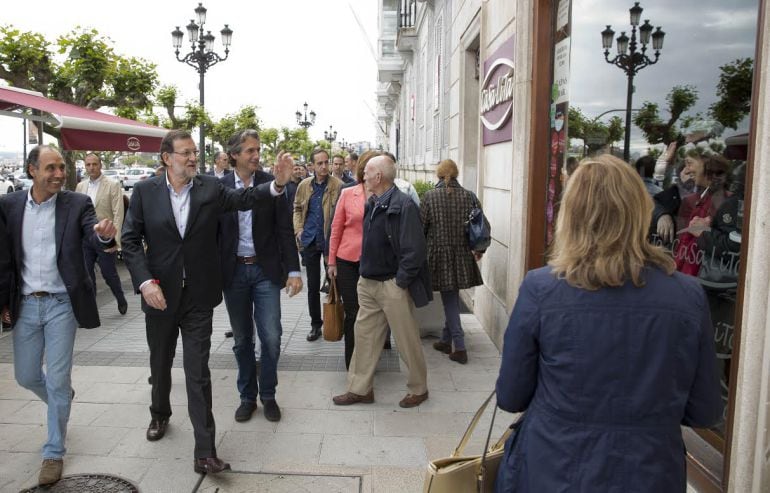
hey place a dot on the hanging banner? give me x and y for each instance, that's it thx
(496, 105)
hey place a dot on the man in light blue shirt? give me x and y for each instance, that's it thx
(53, 292)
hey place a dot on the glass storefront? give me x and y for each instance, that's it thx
(683, 73)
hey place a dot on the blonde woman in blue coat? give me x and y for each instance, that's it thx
(608, 350)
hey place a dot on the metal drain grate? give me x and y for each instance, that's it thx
(88, 483)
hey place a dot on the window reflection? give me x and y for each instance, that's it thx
(689, 125)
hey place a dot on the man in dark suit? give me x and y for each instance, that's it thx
(258, 255)
(52, 292)
(221, 166)
(176, 217)
(5, 267)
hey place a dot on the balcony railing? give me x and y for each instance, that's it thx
(406, 13)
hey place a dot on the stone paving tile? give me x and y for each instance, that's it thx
(257, 451)
(391, 479)
(279, 483)
(167, 475)
(326, 422)
(372, 451)
(18, 470)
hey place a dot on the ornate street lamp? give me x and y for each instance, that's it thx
(303, 121)
(201, 58)
(632, 61)
(330, 135)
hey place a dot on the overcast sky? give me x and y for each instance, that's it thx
(283, 53)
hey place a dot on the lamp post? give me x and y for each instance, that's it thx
(303, 121)
(201, 58)
(631, 61)
(330, 136)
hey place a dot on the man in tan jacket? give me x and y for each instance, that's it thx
(107, 196)
(313, 208)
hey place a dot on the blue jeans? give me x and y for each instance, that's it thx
(252, 297)
(453, 330)
(47, 326)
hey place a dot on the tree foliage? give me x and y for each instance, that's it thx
(192, 117)
(245, 118)
(581, 127)
(82, 68)
(734, 92)
(655, 129)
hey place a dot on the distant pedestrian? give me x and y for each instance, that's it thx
(107, 197)
(53, 293)
(394, 279)
(444, 212)
(339, 170)
(221, 166)
(351, 167)
(608, 349)
(313, 205)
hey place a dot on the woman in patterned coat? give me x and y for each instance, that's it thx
(444, 211)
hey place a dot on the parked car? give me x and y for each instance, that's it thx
(6, 185)
(135, 175)
(114, 175)
(22, 181)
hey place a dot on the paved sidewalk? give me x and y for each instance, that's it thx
(316, 446)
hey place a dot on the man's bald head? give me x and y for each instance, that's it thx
(384, 165)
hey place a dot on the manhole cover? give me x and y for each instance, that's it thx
(88, 483)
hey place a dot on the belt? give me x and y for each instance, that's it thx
(39, 294)
(246, 260)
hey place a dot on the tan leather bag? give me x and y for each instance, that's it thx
(334, 314)
(468, 473)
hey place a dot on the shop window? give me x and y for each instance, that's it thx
(684, 74)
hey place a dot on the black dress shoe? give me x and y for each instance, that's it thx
(210, 465)
(271, 410)
(314, 334)
(123, 307)
(228, 334)
(244, 411)
(157, 429)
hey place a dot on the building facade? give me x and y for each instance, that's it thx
(512, 90)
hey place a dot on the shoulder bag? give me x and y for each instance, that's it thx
(477, 227)
(333, 314)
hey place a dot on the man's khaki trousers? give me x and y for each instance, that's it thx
(383, 304)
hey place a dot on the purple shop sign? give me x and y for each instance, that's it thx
(496, 105)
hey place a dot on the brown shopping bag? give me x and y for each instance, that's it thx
(334, 316)
(460, 473)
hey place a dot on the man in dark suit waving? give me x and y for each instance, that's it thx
(258, 255)
(176, 216)
(52, 291)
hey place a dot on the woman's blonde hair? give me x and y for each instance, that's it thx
(447, 171)
(601, 232)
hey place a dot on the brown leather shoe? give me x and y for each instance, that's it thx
(50, 471)
(210, 465)
(349, 398)
(444, 347)
(412, 400)
(157, 429)
(459, 356)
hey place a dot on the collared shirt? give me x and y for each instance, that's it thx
(381, 202)
(219, 174)
(93, 188)
(245, 230)
(180, 204)
(313, 230)
(39, 271)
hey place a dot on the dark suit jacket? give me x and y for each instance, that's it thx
(150, 221)
(272, 232)
(75, 220)
(211, 173)
(5, 265)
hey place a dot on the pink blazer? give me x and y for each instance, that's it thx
(348, 226)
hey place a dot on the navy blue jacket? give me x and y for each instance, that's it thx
(404, 231)
(607, 378)
(272, 232)
(5, 265)
(75, 220)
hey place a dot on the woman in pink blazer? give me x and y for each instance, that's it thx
(345, 248)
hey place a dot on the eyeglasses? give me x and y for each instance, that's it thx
(187, 154)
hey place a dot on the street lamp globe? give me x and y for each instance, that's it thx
(644, 32)
(192, 31)
(636, 14)
(176, 38)
(622, 43)
(657, 39)
(608, 36)
(227, 37)
(200, 11)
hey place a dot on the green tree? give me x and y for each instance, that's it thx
(656, 131)
(91, 74)
(734, 92)
(193, 116)
(246, 117)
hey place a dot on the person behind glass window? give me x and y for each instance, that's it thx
(609, 350)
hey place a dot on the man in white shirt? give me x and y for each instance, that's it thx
(107, 197)
(221, 165)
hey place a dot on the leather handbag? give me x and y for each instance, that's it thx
(460, 473)
(334, 314)
(477, 228)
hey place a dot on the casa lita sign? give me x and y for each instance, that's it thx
(496, 105)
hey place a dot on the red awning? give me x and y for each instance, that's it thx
(83, 129)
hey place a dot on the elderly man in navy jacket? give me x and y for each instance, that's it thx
(53, 292)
